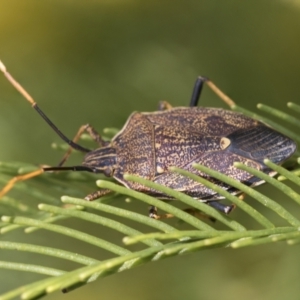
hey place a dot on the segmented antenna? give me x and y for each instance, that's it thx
(25, 94)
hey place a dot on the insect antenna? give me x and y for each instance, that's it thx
(220, 93)
(198, 88)
(71, 168)
(197, 91)
(25, 94)
(38, 172)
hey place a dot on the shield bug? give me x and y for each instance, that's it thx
(150, 142)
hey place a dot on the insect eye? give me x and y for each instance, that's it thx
(224, 143)
(108, 172)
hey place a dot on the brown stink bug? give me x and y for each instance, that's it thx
(149, 143)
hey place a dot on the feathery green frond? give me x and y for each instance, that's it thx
(153, 239)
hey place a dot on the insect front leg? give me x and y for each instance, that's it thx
(91, 132)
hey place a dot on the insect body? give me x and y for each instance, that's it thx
(150, 143)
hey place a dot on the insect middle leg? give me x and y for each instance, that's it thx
(226, 209)
(153, 214)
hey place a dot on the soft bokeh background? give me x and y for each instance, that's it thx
(97, 61)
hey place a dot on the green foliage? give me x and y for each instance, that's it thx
(164, 241)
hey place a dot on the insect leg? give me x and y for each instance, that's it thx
(226, 209)
(197, 91)
(98, 194)
(164, 105)
(92, 132)
(153, 214)
(194, 212)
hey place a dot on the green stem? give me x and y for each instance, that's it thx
(30, 268)
(277, 184)
(282, 171)
(266, 201)
(189, 201)
(185, 234)
(239, 203)
(58, 253)
(69, 232)
(294, 106)
(120, 227)
(160, 204)
(121, 213)
(279, 114)
(274, 125)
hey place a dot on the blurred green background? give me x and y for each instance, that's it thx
(97, 61)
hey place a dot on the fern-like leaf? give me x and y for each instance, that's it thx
(162, 240)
